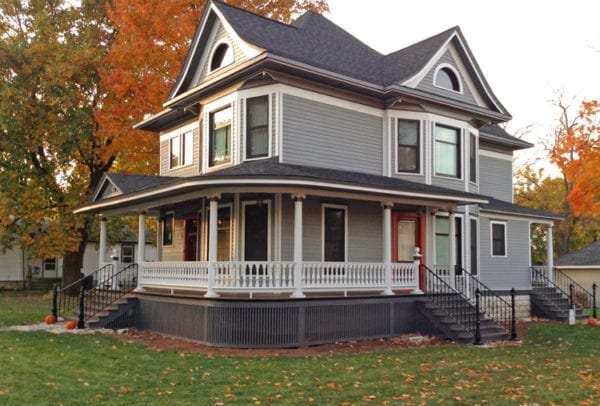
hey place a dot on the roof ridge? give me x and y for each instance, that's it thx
(222, 3)
(435, 36)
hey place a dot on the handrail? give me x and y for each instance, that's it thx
(551, 289)
(492, 304)
(66, 299)
(445, 296)
(581, 296)
(101, 296)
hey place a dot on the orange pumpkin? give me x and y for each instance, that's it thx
(71, 324)
(50, 319)
(592, 322)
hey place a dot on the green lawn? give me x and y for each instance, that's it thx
(556, 364)
(24, 307)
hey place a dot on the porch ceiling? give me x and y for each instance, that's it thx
(269, 175)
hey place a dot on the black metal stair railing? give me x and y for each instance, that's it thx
(89, 295)
(65, 300)
(113, 288)
(551, 291)
(493, 305)
(457, 306)
(579, 296)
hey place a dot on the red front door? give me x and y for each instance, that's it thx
(408, 233)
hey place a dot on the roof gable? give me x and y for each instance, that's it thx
(115, 184)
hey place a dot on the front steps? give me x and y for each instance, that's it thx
(550, 303)
(450, 322)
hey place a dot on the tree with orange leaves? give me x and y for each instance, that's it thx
(150, 44)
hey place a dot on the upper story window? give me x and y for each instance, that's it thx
(409, 140)
(472, 158)
(181, 150)
(257, 127)
(220, 137)
(447, 151)
(221, 56)
(446, 78)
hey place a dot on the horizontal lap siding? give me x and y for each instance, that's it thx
(318, 134)
(495, 178)
(513, 271)
(175, 252)
(427, 83)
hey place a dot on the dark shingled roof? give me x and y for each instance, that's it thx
(497, 133)
(588, 255)
(128, 183)
(501, 206)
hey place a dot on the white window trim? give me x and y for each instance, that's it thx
(505, 225)
(456, 74)
(462, 233)
(211, 108)
(243, 234)
(461, 148)
(162, 235)
(421, 145)
(181, 136)
(476, 138)
(132, 246)
(231, 227)
(334, 206)
(244, 126)
(212, 55)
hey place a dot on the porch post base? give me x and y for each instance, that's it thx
(416, 291)
(388, 292)
(297, 295)
(211, 293)
(139, 289)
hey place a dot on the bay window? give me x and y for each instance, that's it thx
(220, 137)
(408, 152)
(447, 151)
(257, 127)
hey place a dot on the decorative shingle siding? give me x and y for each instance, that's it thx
(319, 134)
(495, 178)
(504, 273)
(427, 83)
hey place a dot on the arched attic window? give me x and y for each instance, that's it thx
(222, 55)
(447, 78)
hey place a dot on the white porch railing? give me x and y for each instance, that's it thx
(343, 275)
(248, 277)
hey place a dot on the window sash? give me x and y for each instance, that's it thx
(168, 229)
(447, 151)
(472, 158)
(127, 254)
(442, 240)
(257, 127)
(498, 239)
(408, 152)
(220, 137)
(334, 230)
(181, 150)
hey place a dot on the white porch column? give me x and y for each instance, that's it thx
(298, 199)
(102, 247)
(452, 247)
(141, 251)
(212, 245)
(550, 254)
(387, 247)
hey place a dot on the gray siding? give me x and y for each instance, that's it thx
(495, 178)
(365, 235)
(427, 83)
(501, 273)
(189, 170)
(323, 135)
(219, 33)
(450, 183)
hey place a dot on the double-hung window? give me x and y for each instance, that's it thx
(182, 150)
(408, 146)
(167, 233)
(447, 151)
(442, 241)
(472, 158)
(220, 137)
(334, 233)
(257, 127)
(498, 239)
(127, 254)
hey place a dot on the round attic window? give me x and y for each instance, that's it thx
(446, 78)
(221, 56)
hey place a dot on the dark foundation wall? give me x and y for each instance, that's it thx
(280, 323)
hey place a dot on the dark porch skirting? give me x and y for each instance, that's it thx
(255, 323)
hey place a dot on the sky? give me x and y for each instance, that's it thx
(528, 50)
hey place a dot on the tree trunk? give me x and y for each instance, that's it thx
(73, 261)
